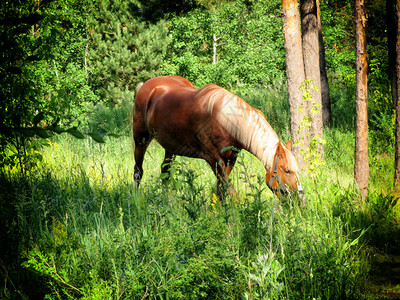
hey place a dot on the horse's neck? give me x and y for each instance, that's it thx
(249, 127)
(260, 140)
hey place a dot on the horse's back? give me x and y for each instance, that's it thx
(170, 82)
(164, 101)
(160, 92)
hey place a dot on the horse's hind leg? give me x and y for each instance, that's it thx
(166, 166)
(141, 144)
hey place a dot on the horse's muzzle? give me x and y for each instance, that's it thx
(302, 197)
(301, 193)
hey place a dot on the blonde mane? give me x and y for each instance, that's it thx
(246, 124)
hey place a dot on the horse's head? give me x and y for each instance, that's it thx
(282, 179)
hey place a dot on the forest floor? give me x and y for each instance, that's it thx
(385, 277)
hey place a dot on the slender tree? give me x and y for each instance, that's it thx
(361, 167)
(311, 58)
(325, 93)
(397, 104)
(294, 69)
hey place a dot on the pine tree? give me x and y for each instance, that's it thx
(124, 50)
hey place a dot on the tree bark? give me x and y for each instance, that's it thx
(397, 105)
(361, 167)
(325, 94)
(294, 72)
(309, 25)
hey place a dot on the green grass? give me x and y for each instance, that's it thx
(77, 226)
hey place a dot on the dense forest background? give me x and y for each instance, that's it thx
(61, 58)
(72, 222)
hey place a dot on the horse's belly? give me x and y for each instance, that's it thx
(205, 140)
(182, 144)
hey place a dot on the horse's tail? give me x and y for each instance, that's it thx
(138, 86)
(132, 120)
(132, 116)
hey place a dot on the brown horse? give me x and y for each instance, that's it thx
(210, 123)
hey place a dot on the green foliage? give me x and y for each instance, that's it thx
(123, 50)
(272, 101)
(342, 102)
(380, 99)
(338, 33)
(246, 53)
(266, 272)
(113, 119)
(154, 10)
(311, 151)
(190, 53)
(338, 30)
(383, 134)
(44, 82)
(253, 54)
(53, 72)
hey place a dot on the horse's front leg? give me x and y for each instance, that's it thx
(224, 186)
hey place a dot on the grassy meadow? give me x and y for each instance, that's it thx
(77, 226)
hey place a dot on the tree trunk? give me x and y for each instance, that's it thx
(294, 72)
(325, 94)
(361, 167)
(309, 25)
(397, 103)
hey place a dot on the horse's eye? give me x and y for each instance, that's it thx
(287, 171)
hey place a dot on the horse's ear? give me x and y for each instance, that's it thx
(289, 145)
(280, 150)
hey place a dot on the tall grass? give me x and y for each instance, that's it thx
(79, 228)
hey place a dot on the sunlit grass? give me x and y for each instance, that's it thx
(88, 232)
